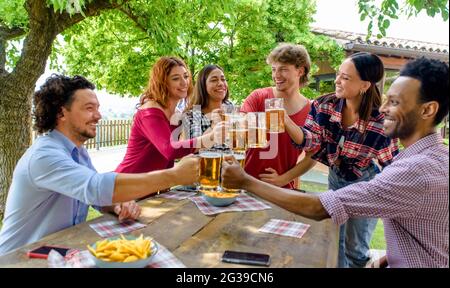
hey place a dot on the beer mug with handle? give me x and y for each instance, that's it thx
(240, 157)
(237, 134)
(275, 115)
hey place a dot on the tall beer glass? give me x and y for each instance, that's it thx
(240, 157)
(257, 137)
(229, 109)
(237, 134)
(275, 115)
(210, 165)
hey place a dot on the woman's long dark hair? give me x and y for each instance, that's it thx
(370, 68)
(200, 96)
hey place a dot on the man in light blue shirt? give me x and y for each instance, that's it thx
(55, 182)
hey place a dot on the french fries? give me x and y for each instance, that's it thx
(122, 250)
(219, 194)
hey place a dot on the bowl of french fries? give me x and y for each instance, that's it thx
(219, 199)
(123, 252)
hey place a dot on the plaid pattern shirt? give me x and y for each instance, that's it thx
(411, 195)
(195, 122)
(354, 148)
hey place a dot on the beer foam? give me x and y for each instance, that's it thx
(239, 156)
(210, 155)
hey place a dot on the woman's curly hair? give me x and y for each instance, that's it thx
(55, 93)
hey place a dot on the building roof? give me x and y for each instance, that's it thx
(387, 45)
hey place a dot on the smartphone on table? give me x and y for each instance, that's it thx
(43, 251)
(246, 258)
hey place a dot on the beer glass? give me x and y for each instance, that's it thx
(257, 137)
(240, 157)
(274, 115)
(229, 109)
(237, 134)
(210, 165)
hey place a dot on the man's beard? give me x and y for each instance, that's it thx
(83, 135)
(87, 135)
(407, 128)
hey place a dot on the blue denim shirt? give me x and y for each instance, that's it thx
(53, 185)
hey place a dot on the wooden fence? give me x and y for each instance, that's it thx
(109, 133)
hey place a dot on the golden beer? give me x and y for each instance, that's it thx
(275, 120)
(238, 139)
(240, 157)
(210, 165)
(257, 137)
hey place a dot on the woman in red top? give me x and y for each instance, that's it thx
(153, 143)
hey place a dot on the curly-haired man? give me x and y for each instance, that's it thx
(54, 182)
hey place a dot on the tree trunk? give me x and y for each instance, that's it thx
(15, 126)
(16, 89)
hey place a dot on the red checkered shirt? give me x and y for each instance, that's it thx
(411, 195)
(355, 147)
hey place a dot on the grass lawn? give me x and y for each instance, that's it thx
(92, 214)
(378, 241)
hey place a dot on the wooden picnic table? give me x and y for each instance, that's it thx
(199, 240)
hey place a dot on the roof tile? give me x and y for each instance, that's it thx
(386, 41)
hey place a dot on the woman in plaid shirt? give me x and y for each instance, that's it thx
(344, 131)
(210, 92)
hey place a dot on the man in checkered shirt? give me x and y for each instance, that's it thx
(411, 194)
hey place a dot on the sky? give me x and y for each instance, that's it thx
(420, 28)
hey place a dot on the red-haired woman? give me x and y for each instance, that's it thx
(153, 143)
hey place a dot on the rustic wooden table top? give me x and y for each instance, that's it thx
(199, 240)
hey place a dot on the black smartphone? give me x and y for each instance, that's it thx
(43, 251)
(185, 188)
(246, 258)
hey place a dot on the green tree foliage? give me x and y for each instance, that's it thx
(13, 14)
(381, 13)
(118, 48)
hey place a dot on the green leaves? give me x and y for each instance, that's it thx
(13, 53)
(69, 6)
(117, 49)
(13, 13)
(381, 14)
